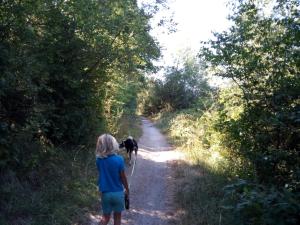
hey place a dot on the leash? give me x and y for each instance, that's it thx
(129, 184)
(132, 171)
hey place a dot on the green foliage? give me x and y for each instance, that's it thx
(130, 125)
(215, 162)
(199, 194)
(255, 204)
(200, 133)
(149, 102)
(249, 130)
(182, 88)
(211, 165)
(259, 53)
(61, 191)
(59, 60)
(69, 70)
(120, 99)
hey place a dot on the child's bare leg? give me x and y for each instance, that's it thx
(117, 218)
(105, 219)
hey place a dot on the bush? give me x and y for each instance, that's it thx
(254, 204)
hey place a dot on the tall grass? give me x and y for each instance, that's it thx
(207, 170)
(62, 190)
(130, 125)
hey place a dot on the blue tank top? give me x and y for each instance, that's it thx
(109, 173)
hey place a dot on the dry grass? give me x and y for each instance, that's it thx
(62, 190)
(201, 177)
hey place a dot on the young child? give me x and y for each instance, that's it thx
(112, 178)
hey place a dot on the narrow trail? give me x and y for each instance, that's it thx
(151, 192)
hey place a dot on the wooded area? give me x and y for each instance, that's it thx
(244, 137)
(70, 70)
(67, 61)
(73, 69)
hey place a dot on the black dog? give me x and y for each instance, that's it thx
(130, 145)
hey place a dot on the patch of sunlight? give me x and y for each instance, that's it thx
(158, 214)
(161, 156)
(215, 158)
(94, 219)
(152, 213)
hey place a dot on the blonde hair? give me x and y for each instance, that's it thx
(106, 145)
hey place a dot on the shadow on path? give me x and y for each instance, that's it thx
(151, 194)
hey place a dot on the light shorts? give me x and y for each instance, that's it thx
(112, 202)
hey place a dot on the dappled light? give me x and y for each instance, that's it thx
(151, 180)
(161, 155)
(225, 153)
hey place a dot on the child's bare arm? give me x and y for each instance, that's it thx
(124, 182)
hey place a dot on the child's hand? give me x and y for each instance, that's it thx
(126, 192)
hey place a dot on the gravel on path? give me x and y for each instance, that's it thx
(151, 184)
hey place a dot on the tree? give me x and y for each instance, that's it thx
(57, 60)
(260, 54)
(184, 86)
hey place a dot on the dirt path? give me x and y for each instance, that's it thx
(151, 183)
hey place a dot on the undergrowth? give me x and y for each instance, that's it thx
(215, 185)
(61, 190)
(203, 175)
